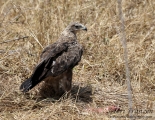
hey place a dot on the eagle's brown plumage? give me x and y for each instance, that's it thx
(57, 61)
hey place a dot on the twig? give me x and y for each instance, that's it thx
(14, 39)
(124, 42)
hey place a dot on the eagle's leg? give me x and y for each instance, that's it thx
(67, 83)
(50, 87)
(56, 87)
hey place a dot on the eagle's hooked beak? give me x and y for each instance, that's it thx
(84, 28)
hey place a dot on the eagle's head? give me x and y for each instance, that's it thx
(75, 27)
(71, 30)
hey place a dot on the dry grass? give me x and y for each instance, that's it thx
(99, 80)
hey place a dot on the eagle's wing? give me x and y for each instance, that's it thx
(55, 59)
(67, 60)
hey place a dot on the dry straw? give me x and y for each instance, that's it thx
(100, 78)
(126, 61)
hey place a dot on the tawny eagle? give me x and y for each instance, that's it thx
(57, 61)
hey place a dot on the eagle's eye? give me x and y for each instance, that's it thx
(77, 26)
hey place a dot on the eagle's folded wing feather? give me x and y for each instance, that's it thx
(67, 60)
(49, 54)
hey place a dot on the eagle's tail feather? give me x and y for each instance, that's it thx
(26, 85)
